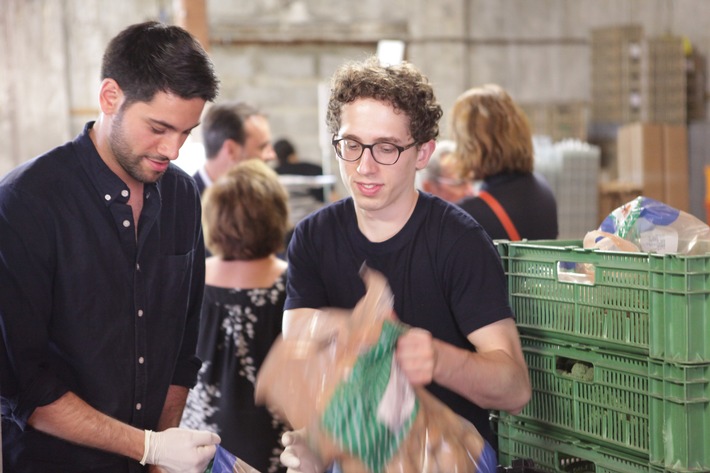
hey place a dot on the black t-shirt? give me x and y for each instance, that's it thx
(444, 271)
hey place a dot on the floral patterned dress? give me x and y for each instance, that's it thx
(237, 329)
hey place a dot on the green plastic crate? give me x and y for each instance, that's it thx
(645, 407)
(654, 305)
(556, 452)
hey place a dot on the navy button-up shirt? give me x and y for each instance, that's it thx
(87, 307)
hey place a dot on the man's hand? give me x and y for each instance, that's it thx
(416, 356)
(180, 450)
(297, 456)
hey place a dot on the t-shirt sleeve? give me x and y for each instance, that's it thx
(305, 288)
(478, 290)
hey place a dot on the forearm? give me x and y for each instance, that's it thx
(306, 323)
(73, 420)
(491, 380)
(174, 405)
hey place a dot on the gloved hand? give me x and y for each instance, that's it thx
(297, 456)
(180, 450)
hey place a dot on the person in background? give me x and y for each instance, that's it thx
(290, 164)
(232, 132)
(245, 220)
(102, 269)
(303, 197)
(444, 271)
(439, 176)
(494, 144)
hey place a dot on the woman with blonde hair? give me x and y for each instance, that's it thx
(494, 145)
(245, 220)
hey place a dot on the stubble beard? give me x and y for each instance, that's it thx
(125, 157)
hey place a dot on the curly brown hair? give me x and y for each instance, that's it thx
(245, 213)
(401, 85)
(491, 132)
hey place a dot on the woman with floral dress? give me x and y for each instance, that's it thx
(245, 220)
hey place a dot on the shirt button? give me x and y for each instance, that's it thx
(140, 312)
(124, 193)
(141, 360)
(139, 406)
(107, 197)
(126, 223)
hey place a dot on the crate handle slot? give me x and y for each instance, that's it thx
(576, 273)
(574, 369)
(578, 466)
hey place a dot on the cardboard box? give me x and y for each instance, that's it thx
(698, 159)
(654, 156)
(640, 157)
(675, 167)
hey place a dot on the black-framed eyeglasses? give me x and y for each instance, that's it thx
(383, 152)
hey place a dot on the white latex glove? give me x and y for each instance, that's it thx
(180, 450)
(297, 456)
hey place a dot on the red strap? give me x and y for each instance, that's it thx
(502, 215)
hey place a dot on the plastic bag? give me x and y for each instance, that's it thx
(225, 462)
(647, 225)
(335, 375)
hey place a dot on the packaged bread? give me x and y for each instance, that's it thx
(648, 225)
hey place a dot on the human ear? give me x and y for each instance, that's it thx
(424, 153)
(233, 149)
(110, 97)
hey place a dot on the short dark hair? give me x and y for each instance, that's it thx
(223, 122)
(245, 212)
(283, 149)
(152, 57)
(400, 85)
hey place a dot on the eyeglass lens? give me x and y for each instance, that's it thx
(384, 153)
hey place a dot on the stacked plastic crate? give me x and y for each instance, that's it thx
(571, 167)
(617, 74)
(619, 356)
(664, 81)
(635, 78)
(559, 121)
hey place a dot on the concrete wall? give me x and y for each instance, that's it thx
(276, 53)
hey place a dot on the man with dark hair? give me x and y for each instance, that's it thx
(291, 165)
(232, 132)
(445, 273)
(102, 275)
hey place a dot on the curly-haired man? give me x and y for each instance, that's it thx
(444, 270)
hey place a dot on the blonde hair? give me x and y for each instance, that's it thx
(491, 132)
(245, 213)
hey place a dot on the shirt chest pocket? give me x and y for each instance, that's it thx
(170, 286)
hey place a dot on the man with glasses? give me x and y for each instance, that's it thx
(444, 271)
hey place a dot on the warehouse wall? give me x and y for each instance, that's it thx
(275, 53)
